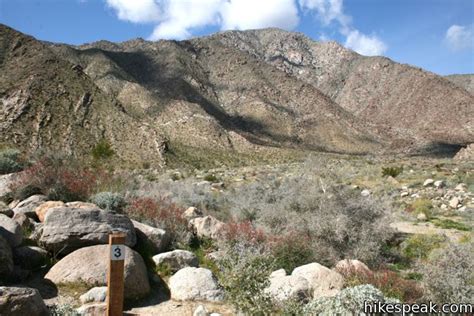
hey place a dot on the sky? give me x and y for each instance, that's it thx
(436, 35)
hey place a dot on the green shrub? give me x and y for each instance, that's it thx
(421, 206)
(349, 301)
(391, 171)
(210, 178)
(291, 251)
(420, 246)
(10, 161)
(109, 201)
(449, 274)
(103, 150)
(62, 310)
(450, 224)
(244, 275)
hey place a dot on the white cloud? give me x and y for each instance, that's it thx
(255, 14)
(460, 37)
(364, 44)
(136, 11)
(329, 11)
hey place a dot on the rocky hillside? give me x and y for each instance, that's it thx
(464, 81)
(233, 92)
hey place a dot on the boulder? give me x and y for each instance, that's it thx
(24, 221)
(192, 212)
(29, 205)
(5, 210)
(207, 226)
(350, 265)
(439, 183)
(21, 301)
(201, 311)
(94, 295)
(155, 239)
(283, 288)
(79, 204)
(45, 207)
(365, 193)
(6, 259)
(176, 259)
(90, 265)
(323, 282)
(11, 231)
(278, 273)
(30, 257)
(67, 229)
(93, 309)
(454, 202)
(428, 182)
(195, 284)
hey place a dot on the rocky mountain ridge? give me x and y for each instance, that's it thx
(236, 91)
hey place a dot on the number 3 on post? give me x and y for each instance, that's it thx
(117, 252)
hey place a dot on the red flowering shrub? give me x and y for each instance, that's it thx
(234, 232)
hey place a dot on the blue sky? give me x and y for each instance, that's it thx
(437, 35)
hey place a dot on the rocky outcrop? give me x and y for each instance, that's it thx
(465, 154)
(195, 284)
(11, 231)
(66, 229)
(29, 205)
(286, 287)
(21, 301)
(323, 281)
(90, 264)
(176, 259)
(207, 226)
(154, 239)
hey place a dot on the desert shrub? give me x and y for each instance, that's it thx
(337, 221)
(392, 171)
(420, 246)
(450, 224)
(349, 301)
(160, 213)
(291, 250)
(244, 271)
(10, 161)
(210, 177)
(449, 274)
(59, 179)
(388, 282)
(103, 150)
(235, 232)
(109, 201)
(421, 206)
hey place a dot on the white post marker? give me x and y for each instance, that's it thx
(115, 282)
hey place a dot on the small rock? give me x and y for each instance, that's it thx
(439, 183)
(422, 217)
(207, 226)
(444, 207)
(19, 301)
(153, 238)
(11, 231)
(195, 284)
(192, 212)
(454, 202)
(324, 282)
(460, 187)
(283, 288)
(428, 182)
(201, 311)
(403, 194)
(93, 309)
(94, 295)
(176, 259)
(462, 209)
(415, 195)
(351, 265)
(365, 192)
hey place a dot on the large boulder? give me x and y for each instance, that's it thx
(285, 287)
(176, 259)
(195, 284)
(67, 229)
(29, 205)
(324, 282)
(90, 265)
(30, 257)
(207, 226)
(192, 212)
(21, 301)
(6, 259)
(154, 239)
(349, 266)
(11, 231)
(45, 207)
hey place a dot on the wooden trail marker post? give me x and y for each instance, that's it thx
(115, 279)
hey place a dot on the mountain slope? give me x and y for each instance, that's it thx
(401, 99)
(48, 104)
(464, 81)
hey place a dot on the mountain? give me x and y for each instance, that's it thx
(464, 81)
(235, 92)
